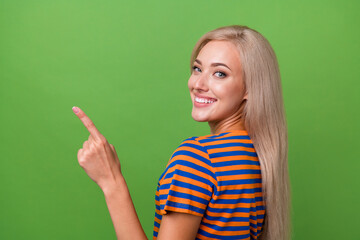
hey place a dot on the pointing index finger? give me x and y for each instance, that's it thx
(88, 123)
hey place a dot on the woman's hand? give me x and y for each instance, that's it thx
(97, 157)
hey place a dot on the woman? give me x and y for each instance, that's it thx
(230, 184)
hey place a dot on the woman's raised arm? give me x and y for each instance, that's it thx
(100, 161)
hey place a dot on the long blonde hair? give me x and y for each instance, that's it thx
(264, 119)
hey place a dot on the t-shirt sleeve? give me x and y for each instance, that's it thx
(188, 181)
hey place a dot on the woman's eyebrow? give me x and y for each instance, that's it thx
(198, 61)
(220, 64)
(213, 64)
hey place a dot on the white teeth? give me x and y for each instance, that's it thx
(203, 100)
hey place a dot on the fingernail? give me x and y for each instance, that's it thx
(75, 109)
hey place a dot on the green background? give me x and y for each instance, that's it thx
(126, 64)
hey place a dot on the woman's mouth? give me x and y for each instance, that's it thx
(201, 101)
(204, 100)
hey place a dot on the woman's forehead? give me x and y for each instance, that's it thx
(220, 52)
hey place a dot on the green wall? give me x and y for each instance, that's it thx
(126, 64)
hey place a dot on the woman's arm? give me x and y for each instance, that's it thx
(179, 226)
(174, 225)
(123, 213)
(100, 161)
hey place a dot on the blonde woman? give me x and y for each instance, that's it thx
(230, 184)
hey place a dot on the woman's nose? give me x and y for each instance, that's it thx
(201, 83)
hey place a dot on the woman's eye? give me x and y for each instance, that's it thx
(220, 74)
(195, 68)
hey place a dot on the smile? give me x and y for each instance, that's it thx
(204, 100)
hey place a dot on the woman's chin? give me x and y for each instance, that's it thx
(199, 117)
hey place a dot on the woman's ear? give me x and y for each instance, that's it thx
(245, 96)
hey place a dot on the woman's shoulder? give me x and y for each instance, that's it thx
(223, 136)
(206, 142)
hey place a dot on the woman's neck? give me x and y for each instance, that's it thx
(223, 126)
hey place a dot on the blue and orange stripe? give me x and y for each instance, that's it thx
(217, 177)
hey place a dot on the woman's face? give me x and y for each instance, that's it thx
(216, 84)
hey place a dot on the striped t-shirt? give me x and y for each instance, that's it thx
(216, 177)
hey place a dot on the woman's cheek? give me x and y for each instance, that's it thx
(218, 89)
